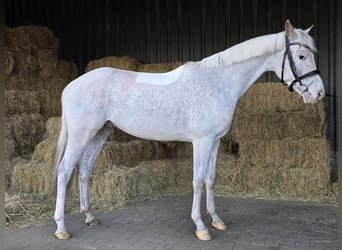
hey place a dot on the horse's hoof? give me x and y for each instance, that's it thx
(203, 234)
(93, 222)
(219, 225)
(63, 235)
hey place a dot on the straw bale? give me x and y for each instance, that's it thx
(53, 126)
(128, 154)
(29, 83)
(227, 171)
(263, 98)
(296, 169)
(9, 63)
(124, 62)
(120, 136)
(131, 153)
(18, 39)
(303, 183)
(268, 126)
(47, 92)
(25, 64)
(45, 151)
(50, 96)
(289, 183)
(28, 38)
(9, 168)
(67, 70)
(158, 68)
(122, 185)
(46, 62)
(10, 151)
(26, 130)
(309, 153)
(18, 102)
(36, 177)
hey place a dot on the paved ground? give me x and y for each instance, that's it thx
(166, 224)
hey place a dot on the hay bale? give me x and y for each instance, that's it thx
(263, 98)
(274, 167)
(26, 130)
(286, 183)
(122, 185)
(128, 154)
(25, 64)
(45, 152)
(9, 168)
(28, 38)
(26, 83)
(158, 68)
(67, 70)
(290, 125)
(53, 126)
(10, 151)
(306, 153)
(299, 183)
(36, 177)
(19, 102)
(124, 62)
(9, 63)
(120, 136)
(46, 62)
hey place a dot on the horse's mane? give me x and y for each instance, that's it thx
(255, 47)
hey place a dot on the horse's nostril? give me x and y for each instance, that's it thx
(320, 95)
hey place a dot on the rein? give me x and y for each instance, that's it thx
(298, 78)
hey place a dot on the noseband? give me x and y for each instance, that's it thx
(293, 66)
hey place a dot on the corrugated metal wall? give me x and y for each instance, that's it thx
(155, 31)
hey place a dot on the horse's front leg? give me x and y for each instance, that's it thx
(201, 153)
(210, 183)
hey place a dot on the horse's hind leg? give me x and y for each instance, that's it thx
(86, 165)
(71, 157)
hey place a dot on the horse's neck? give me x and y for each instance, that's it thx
(245, 73)
(244, 63)
(250, 49)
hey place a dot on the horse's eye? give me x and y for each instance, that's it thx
(301, 57)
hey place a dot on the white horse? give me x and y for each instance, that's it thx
(193, 103)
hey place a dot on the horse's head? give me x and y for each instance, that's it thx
(298, 68)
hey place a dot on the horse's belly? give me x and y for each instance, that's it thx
(155, 125)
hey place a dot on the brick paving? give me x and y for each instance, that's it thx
(166, 224)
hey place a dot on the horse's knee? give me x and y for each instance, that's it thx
(83, 178)
(210, 181)
(198, 184)
(64, 177)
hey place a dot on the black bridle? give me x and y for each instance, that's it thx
(293, 66)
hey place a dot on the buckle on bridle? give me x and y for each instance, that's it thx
(293, 66)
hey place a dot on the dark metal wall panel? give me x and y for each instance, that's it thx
(157, 31)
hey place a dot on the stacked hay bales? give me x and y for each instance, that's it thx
(282, 143)
(34, 82)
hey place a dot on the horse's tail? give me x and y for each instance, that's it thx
(61, 144)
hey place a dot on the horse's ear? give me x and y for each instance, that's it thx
(288, 28)
(308, 29)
